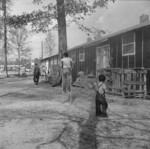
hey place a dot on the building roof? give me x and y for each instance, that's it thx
(140, 25)
(104, 38)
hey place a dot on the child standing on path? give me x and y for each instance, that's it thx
(66, 65)
(36, 74)
(100, 100)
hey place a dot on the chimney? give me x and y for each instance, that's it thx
(144, 18)
(89, 39)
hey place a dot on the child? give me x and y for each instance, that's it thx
(36, 74)
(100, 100)
(66, 65)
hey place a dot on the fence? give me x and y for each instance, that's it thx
(125, 82)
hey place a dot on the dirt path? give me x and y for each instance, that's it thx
(128, 125)
(37, 117)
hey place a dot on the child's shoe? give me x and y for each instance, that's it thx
(104, 115)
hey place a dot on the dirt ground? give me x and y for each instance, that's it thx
(39, 117)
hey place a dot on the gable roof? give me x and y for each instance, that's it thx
(140, 25)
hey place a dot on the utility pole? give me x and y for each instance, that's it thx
(62, 33)
(42, 49)
(5, 36)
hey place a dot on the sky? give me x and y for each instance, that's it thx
(118, 16)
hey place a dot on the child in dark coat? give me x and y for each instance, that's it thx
(36, 74)
(100, 100)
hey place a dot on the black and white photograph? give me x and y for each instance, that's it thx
(74, 74)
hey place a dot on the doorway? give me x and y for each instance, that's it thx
(102, 57)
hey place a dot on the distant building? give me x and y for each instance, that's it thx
(9, 67)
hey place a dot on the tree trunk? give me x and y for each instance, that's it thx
(5, 36)
(62, 34)
(42, 49)
(19, 61)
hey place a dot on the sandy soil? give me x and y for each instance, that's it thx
(39, 117)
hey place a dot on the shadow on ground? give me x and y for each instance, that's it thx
(87, 137)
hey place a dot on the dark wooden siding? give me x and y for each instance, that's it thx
(55, 59)
(77, 60)
(72, 54)
(125, 61)
(119, 55)
(87, 60)
(81, 63)
(120, 61)
(116, 52)
(48, 64)
(113, 53)
(146, 51)
(131, 61)
(138, 48)
(117, 60)
(77, 66)
(90, 60)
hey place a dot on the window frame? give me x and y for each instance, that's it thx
(73, 57)
(55, 61)
(83, 59)
(126, 44)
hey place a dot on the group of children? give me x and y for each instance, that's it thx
(66, 65)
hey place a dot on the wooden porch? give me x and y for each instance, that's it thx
(129, 83)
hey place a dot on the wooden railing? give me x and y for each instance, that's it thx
(125, 82)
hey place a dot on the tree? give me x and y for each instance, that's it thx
(97, 33)
(42, 19)
(49, 44)
(5, 35)
(5, 5)
(19, 42)
(62, 33)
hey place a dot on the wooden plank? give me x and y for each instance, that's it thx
(112, 87)
(130, 82)
(116, 93)
(147, 97)
(122, 79)
(135, 82)
(140, 85)
(145, 88)
(133, 91)
(77, 85)
(134, 79)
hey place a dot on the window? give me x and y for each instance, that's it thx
(51, 62)
(103, 57)
(128, 44)
(81, 56)
(55, 61)
(73, 58)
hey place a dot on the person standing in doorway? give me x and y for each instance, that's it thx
(36, 74)
(66, 64)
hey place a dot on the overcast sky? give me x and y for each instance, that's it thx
(118, 16)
